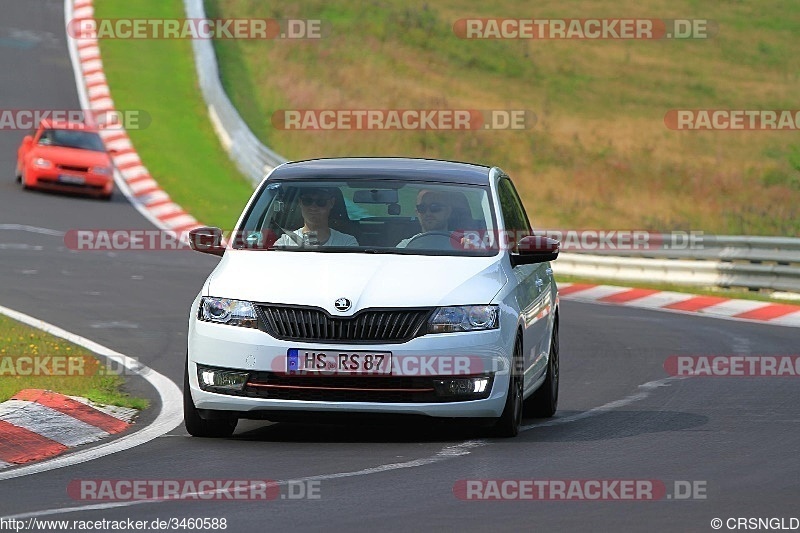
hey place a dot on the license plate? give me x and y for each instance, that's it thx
(338, 362)
(67, 178)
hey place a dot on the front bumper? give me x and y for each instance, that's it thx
(259, 354)
(93, 184)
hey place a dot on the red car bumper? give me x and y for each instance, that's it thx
(73, 182)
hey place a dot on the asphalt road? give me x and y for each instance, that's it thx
(737, 438)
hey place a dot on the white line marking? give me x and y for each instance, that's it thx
(169, 417)
(32, 229)
(448, 452)
(14, 246)
(643, 392)
(123, 324)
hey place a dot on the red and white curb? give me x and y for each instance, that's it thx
(712, 306)
(37, 424)
(132, 177)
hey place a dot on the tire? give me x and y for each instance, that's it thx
(509, 422)
(21, 181)
(17, 174)
(544, 402)
(197, 426)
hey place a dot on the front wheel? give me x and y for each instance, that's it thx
(544, 402)
(199, 427)
(509, 422)
(21, 180)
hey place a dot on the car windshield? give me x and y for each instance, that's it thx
(396, 216)
(84, 140)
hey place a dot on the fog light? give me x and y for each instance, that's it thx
(214, 379)
(462, 386)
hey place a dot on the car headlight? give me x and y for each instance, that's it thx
(227, 311)
(105, 171)
(41, 162)
(464, 318)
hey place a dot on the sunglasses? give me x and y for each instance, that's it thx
(434, 208)
(318, 201)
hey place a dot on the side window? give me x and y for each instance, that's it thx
(514, 217)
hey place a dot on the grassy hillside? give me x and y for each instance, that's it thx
(600, 154)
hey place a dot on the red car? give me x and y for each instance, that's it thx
(66, 157)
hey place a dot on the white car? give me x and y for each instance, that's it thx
(374, 287)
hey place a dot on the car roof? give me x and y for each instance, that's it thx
(354, 168)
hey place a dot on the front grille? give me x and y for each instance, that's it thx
(73, 168)
(381, 389)
(368, 326)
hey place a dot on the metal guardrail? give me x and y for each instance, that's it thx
(250, 155)
(713, 261)
(722, 261)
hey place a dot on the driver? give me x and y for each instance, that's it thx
(433, 209)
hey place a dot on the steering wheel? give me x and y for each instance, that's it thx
(436, 239)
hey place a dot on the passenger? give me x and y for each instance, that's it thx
(316, 205)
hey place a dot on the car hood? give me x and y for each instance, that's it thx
(72, 156)
(368, 280)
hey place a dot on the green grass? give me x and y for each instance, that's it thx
(179, 147)
(89, 378)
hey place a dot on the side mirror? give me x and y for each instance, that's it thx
(27, 141)
(535, 249)
(207, 240)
